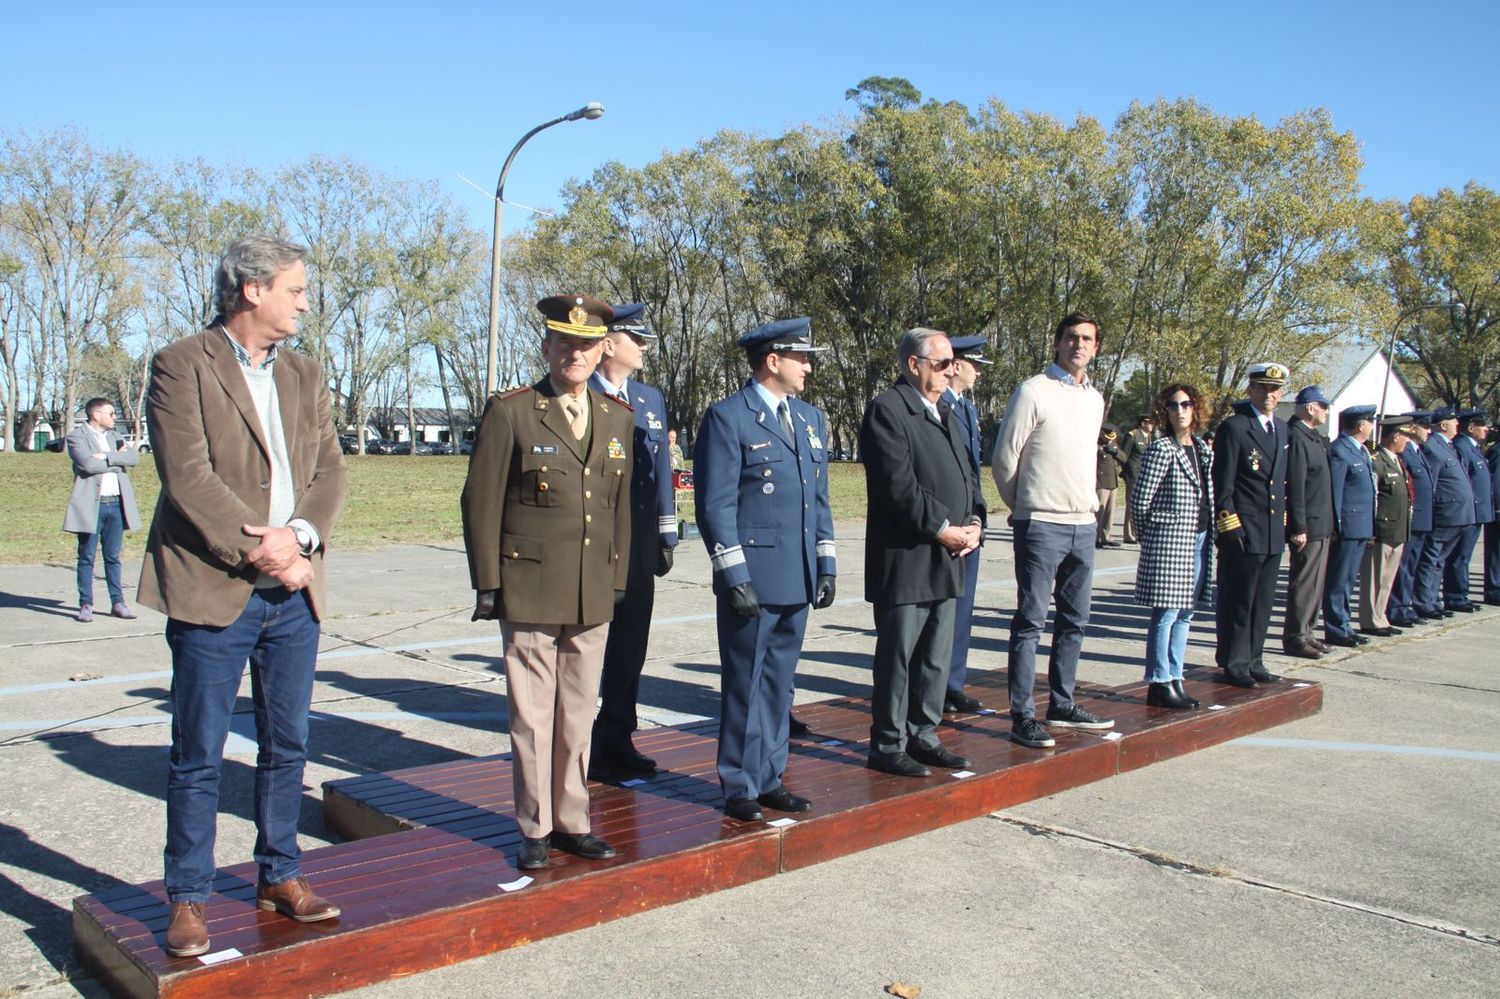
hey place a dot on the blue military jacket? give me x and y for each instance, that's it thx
(1421, 486)
(1353, 479)
(1472, 460)
(653, 501)
(1494, 463)
(968, 424)
(1452, 496)
(761, 502)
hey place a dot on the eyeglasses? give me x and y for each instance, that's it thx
(1178, 404)
(942, 365)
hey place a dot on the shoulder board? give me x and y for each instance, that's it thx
(619, 402)
(512, 393)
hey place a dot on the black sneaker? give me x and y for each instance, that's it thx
(1029, 732)
(1076, 717)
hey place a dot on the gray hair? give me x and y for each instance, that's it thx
(914, 344)
(257, 258)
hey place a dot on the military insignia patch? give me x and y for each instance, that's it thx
(616, 450)
(652, 423)
(544, 449)
(812, 438)
(577, 315)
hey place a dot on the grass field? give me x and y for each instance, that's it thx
(391, 499)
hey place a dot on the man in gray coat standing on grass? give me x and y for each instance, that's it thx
(101, 507)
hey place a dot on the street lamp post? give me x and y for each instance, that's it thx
(1390, 353)
(589, 111)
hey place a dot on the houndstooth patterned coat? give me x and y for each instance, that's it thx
(1164, 503)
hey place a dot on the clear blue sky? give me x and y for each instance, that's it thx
(435, 90)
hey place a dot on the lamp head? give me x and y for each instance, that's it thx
(591, 110)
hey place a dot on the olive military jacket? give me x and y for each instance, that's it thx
(1392, 499)
(547, 516)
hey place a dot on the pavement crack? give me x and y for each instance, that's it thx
(1367, 675)
(1221, 873)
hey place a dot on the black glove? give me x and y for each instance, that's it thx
(743, 600)
(1111, 449)
(1231, 541)
(825, 592)
(619, 597)
(664, 561)
(488, 606)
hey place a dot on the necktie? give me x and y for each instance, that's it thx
(577, 416)
(784, 414)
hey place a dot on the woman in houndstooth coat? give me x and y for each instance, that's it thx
(1172, 504)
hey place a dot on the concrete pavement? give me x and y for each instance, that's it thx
(1345, 854)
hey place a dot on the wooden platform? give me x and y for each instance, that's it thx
(420, 881)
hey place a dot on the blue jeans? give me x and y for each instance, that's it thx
(1167, 635)
(109, 532)
(279, 636)
(1052, 560)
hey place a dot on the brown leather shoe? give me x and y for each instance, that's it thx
(187, 934)
(295, 898)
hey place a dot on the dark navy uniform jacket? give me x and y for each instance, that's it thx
(1472, 459)
(1421, 486)
(762, 505)
(1452, 495)
(1250, 469)
(1353, 479)
(653, 501)
(968, 423)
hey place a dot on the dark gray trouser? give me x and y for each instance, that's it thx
(913, 647)
(1052, 561)
(1304, 591)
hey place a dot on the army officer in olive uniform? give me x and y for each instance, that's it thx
(1393, 503)
(546, 512)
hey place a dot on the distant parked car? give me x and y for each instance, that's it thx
(440, 447)
(349, 443)
(380, 445)
(466, 447)
(56, 445)
(407, 447)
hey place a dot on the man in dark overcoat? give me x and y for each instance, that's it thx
(1309, 522)
(1250, 469)
(926, 514)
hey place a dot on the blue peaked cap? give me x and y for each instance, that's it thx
(783, 334)
(631, 318)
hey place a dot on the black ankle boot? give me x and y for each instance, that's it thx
(1162, 695)
(1192, 702)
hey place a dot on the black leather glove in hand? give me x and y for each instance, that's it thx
(664, 561)
(488, 606)
(824, 596)
(743, 600)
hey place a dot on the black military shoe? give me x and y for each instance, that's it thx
(533, 854)
(959, 701)
(744, 809)
(582, 845)
(784, 801)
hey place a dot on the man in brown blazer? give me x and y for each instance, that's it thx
(1393, 502)
(546, 512)
(252, 480)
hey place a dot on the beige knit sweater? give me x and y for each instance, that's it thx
(1043, 462)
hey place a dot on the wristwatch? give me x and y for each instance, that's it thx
(304, 540)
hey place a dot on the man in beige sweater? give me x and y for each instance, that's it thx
(1043, 464)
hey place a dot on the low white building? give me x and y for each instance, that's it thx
(1350, 376)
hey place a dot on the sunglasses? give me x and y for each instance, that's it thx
(942, 365)
(1175, 404)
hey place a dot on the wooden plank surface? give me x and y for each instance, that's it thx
(419, 887)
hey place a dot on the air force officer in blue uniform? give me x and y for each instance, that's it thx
(1473, 428)
(653, 519)
(1452, 511)
(968, 354)
(761, 495)
(1353, 479)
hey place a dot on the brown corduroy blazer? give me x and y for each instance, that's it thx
(215, 470)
